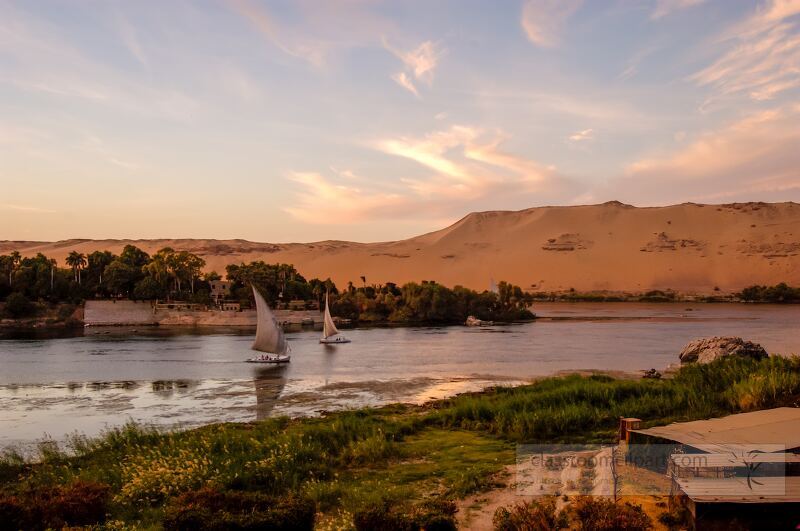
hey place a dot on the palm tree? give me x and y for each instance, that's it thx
(16, 260)
(76, 261)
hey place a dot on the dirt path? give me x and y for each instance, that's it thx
(475, 512)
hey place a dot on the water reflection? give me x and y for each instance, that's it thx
(269, 383)
(168, 388)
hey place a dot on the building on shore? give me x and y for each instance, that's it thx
(742, 469)
(220, 289)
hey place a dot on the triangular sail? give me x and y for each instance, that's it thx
(328, 327)
(269, 335)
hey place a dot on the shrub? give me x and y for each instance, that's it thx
(381, 516)
(678, 519)
(80, 503)
(532, 516)
(65, 311)
(17, 305)
(432, 515)
(436, 515)
(208, 509)
(601, 514)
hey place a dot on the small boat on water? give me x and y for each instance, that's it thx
(330, 334)
(269, 335)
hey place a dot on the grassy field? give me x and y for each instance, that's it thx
(346, 467)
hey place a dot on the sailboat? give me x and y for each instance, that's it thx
(330, 334)
(269, 335)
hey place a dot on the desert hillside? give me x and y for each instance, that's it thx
(616, 247)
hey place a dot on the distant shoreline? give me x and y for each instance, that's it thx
(245, 319)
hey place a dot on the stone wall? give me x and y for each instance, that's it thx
(104, 313)
(124, 312)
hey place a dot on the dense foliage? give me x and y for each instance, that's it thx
(426, 302)
(177, 275)
(133, 274)
(398, 463)
(780, 293)
(430, 302)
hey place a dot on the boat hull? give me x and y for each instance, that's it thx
(334, 341)
(272, 359)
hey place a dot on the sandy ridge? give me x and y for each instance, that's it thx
(612, 246)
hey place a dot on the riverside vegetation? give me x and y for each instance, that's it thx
(37, 286)
(396, 467)
(28, 285)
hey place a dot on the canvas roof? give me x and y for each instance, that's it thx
(769, 430)
(739, 490)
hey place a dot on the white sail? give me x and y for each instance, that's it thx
(493, 286)
(328, 327)
(269, 334)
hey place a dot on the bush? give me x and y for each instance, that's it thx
(678, 519)
(17, 305)
(80, 503)
(382, 516)
(601, 514)
(208, 509)
(433, 515)
(533, 516)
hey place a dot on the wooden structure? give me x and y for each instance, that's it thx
(626, 425)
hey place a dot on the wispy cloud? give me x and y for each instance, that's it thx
(130, 39)
(467, 162)
(312, 51)
(764, 60)
(404, 81)
(543, 20)
(467, 166)
(582, 136)
(324, 201)
(755, 155)
(632, 66)
(419, 64)
(666, 7)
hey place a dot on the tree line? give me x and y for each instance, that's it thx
(133, 274)
(780, 293)
(178, 275)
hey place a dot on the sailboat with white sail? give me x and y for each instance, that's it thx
(330, 334)
(269, 335)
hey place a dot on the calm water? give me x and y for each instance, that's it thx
(103, 377)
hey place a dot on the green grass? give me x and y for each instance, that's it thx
(404, 454)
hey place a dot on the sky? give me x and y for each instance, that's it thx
(366, 120)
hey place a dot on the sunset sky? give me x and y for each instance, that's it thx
(366, 120)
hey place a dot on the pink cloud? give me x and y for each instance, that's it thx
(755, 156)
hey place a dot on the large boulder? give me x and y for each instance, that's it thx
(709, 349)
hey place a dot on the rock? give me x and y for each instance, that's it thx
(709, 349)
(474, 321)
(651, 374)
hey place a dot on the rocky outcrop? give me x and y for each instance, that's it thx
(711, 348)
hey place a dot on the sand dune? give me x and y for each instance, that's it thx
(615, 247)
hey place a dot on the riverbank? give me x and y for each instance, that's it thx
(47, 316)
(342, 468)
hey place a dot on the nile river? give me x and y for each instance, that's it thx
(181, 377)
